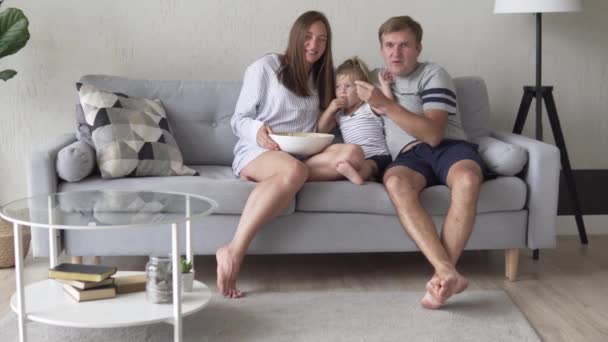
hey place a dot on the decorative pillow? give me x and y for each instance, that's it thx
(83, 130)
(75, 161)
(131, 135)
(500, 157)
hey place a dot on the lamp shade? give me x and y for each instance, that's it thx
(537, 6)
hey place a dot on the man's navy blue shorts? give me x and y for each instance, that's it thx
(435, 162)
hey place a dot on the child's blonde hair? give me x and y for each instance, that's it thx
(354, 67)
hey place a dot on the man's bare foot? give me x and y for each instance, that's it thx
(438, 290)
(451, 285)
(227, 272)
(429, 302)
(461, 285)
(348, 171)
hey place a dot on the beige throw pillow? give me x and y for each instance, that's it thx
(131, 135)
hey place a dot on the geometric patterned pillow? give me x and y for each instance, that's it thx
(131, 135)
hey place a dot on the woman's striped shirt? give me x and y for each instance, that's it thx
(264, 100)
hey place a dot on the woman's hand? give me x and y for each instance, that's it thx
(263, 138)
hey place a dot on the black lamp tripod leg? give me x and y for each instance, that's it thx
(522, 113)
(566, 169)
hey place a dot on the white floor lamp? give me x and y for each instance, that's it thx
(540, 92)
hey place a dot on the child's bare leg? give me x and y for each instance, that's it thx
(345, 169)
(368, 171)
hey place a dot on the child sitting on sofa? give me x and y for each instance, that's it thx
(357, 121)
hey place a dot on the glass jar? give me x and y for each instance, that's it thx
(159, 280)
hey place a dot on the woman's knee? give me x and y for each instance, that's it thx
(294, 173)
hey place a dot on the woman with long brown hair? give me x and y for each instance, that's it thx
(283, 93)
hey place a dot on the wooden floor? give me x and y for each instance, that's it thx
(564, 294)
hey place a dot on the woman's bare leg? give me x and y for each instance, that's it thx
(279, 177)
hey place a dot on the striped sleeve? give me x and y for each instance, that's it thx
(244, 121)
(438, 92)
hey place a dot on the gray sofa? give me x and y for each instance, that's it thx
(325, 217)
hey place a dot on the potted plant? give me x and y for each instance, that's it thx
(187, 274)
(13, 35)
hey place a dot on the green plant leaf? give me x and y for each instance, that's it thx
(13, 31)
(186, 265)
(5, 75)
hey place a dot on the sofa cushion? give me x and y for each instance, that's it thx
(500, 194)
(500, 157)
(199, 113)
(474, 105)
(75, 161)
(215, 182)
(131, 135)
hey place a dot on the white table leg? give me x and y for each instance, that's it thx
(19, 281)
(52, 237)
(177, 284)
(189, 255)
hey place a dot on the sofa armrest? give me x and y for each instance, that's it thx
(542, 178)
(42, 179)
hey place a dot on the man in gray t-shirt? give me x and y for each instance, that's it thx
(425, 136)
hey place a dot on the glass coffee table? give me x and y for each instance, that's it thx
(46, 302)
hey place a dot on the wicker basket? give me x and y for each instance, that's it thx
(7, 250)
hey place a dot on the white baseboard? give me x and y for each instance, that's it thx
(594, 224)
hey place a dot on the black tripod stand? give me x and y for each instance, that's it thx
(546, 94)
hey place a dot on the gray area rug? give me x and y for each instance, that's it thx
(319, 316)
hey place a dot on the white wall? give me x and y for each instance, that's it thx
(212, 39)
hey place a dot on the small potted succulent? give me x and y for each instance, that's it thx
(187, 274)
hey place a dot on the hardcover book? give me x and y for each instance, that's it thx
(91, 294)
(130, 283)
(81, 272)
(84, 285)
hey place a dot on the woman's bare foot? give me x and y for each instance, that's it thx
(348, 171)
(227, 272)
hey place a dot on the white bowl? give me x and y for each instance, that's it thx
(302, 143)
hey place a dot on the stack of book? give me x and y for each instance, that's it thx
(85, 282)
(91, 282)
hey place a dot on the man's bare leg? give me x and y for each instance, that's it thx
(464, 180)
(336, 162)
(279, 177)
(404, 186)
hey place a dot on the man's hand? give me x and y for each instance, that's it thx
(264, 140)
(372, 95)
(386, 79)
